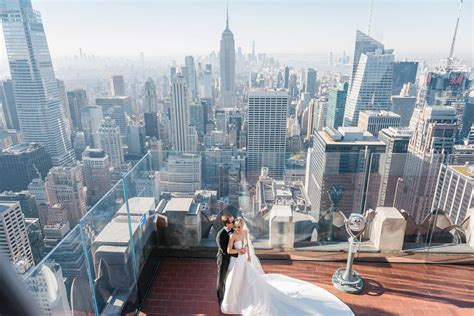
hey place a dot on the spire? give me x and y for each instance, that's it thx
(451, 51)
(370, 16)
(227, 16)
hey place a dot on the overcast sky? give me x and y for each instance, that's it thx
(177, 27)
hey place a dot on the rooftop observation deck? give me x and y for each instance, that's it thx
(186, 286)
(140, 251)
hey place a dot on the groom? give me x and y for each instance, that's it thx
(223, 258)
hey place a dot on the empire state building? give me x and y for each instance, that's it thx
(227, 67)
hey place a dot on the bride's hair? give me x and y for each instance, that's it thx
(240, 220)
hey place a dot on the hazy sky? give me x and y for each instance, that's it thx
(163, 28)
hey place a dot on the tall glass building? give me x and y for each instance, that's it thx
(371, 85)
(364, 44)
(36, 89)
(336, 105)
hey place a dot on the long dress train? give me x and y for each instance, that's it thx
(249, 291)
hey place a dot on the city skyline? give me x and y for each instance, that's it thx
(310, 27)
(111, 160)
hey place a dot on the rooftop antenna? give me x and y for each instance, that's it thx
(451, 51)
(227, 16)
(370, 16)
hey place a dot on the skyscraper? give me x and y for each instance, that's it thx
(136, 138)
(198, 112)
(374, 121)
(266, 138)
(181, 174)
(96, 170)
(65, 107)
(117, 86)
(65, 186)
(37, 284)
(432, 141)
(91, 118)
(403, 106)
(468, 116)
(14, 242)
(76, 99)
(443, 87)
(320, 114)
(403, 72)
(371, 87)
(392, 162)
(227, 66)
(336, 105)
(308, 113)
(35, 87)
(26, 199)
(455, 192)
(111, 141)
(364, 44)
(179, 114)
(7, 98)
(339, 158)
(119, 108)
(310, 82)
(207, 86)
(150, 98)
(21, 163)
(38, 189)
(192, 78)
(286, 77)
(152, 128)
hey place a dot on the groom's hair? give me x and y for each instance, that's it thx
(225, 218)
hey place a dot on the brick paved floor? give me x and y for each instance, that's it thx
(187, 287)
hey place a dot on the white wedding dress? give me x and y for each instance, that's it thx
(249, 291)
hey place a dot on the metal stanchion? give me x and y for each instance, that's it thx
(346, 279)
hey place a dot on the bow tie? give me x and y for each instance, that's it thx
(230, 232)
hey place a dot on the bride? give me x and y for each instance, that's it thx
(249, 291)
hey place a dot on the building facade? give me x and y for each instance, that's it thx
(36, 90)
(266, 137)
(14, 242)
(403, 106)
(179, 114)
(182, 174)
(371, 87)
(21, 163)
(403, 72)
(111, 141)
(227, 67)
(455, 191)
(340, 158)
(65, 186)
(118, 108)
(91, 118)
(336, 105)
(434, 135)
(375, 121)
(76, 99)
(392, 162)
(97, 173)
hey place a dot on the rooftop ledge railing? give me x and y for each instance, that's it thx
(171, 203)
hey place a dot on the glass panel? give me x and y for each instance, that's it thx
(139, 212)
(60, 283)
(108, 241)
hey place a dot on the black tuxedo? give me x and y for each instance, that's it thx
(223, 259)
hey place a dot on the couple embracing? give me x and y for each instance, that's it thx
(244, 288)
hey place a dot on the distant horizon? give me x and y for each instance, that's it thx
(168, 28)
(306, 31)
